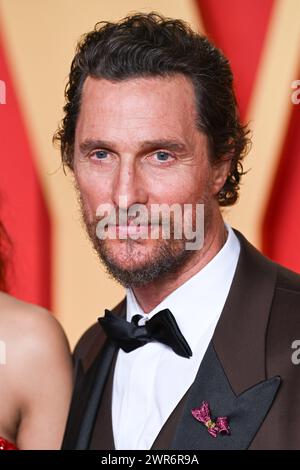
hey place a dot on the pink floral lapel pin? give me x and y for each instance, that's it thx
(219, 426)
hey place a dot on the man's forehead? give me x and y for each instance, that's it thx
(138, 105)
(174, 87)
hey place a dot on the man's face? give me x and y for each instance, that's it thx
(136, 142)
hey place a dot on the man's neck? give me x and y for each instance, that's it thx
(152, 294)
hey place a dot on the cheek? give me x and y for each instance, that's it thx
(93, 190)
(188, 188)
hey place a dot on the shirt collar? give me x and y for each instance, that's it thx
(199, 301)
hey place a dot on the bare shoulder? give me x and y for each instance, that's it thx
(28, 327)
(35, 375)
(33, 340)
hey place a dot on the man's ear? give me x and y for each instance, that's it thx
(221, 170)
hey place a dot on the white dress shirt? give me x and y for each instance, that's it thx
(150, 381)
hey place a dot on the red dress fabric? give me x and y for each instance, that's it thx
(6, 445)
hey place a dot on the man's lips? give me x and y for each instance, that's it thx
(132, 229)
(128, 230)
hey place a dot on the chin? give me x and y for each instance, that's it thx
(130, 254)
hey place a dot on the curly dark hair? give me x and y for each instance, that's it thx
(143, 45)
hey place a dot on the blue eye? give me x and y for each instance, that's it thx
(162, 156)
(100, 154)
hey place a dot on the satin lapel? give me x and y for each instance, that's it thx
(75, 412)
(245, 412)
(104, 362)
(92, 373)
(86, 396)
(240, 336)
(232, 376)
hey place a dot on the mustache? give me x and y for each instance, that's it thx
(121, 217)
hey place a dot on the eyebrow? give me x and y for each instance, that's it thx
(91, 144)
(164, 143)
(172, 145)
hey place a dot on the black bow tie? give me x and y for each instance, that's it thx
(161, 327)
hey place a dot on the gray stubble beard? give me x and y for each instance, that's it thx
(167, 259)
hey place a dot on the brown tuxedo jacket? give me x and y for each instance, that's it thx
(247, 373)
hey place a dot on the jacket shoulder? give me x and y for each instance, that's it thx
(285, 278)
(288, 279)
(84, 343)
(91, 342)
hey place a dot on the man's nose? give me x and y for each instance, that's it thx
(129, 186)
